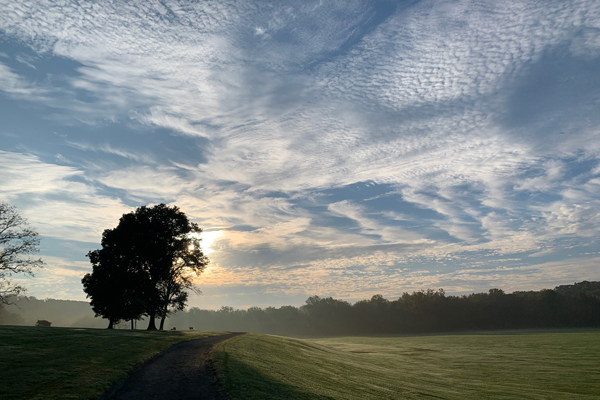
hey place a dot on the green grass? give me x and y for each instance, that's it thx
(71, 363)
(517, 365)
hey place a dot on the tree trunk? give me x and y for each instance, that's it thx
(132, 323)
(111, 323)
(164, 316)
(164, 311)
(152, 324)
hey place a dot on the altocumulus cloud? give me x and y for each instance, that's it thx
(341, 148)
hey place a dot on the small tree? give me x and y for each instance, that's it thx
(173, 299)
(17, 241)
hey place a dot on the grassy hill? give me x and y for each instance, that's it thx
(524, 365)
(69, 363)
(74, 363)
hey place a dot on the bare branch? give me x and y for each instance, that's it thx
(17, 240)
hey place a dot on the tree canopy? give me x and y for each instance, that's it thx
(17, 241)
(146, 265)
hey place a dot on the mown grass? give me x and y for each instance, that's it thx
(517, 365)
(71, 363)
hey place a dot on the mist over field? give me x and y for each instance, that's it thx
(566, 306)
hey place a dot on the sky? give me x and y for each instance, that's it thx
(331, 148)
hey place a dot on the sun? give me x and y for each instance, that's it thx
(208, 239)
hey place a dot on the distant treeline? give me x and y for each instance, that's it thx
(567, 306)
(27, 310)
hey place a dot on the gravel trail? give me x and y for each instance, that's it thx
(181, 372)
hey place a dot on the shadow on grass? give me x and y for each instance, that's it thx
(250, 384)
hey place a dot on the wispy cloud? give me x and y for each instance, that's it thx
(107, 148)
(479, 118)
(57, 204)
(18, 87)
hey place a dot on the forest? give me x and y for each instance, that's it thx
(425, 311)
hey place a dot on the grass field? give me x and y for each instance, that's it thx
(517, 365)
(70, 363)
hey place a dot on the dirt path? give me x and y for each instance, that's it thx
(181, 372)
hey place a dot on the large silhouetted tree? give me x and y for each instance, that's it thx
(160, 249)
(17, 241)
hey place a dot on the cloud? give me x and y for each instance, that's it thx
(107, 148)
(370, 226)
(161, 183)
(18, 87)
(53, 202)
(336, 279)
(463, 109)
(59, 279)
(25, 174)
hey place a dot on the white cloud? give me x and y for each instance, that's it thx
(160, 183)
(310, 97)
(107, 148)
(59, 279)
(26, 174)
(55, 204)
(18, 87)
(370, 226)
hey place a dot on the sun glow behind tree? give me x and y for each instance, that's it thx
(207, 240)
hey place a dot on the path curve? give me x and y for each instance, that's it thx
(181, 372)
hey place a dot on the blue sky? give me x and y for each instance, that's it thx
(333, 148)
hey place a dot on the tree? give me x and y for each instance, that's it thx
(158, 251)
(113, 285)
(173, 297)
(17, 241)
(170, 250)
